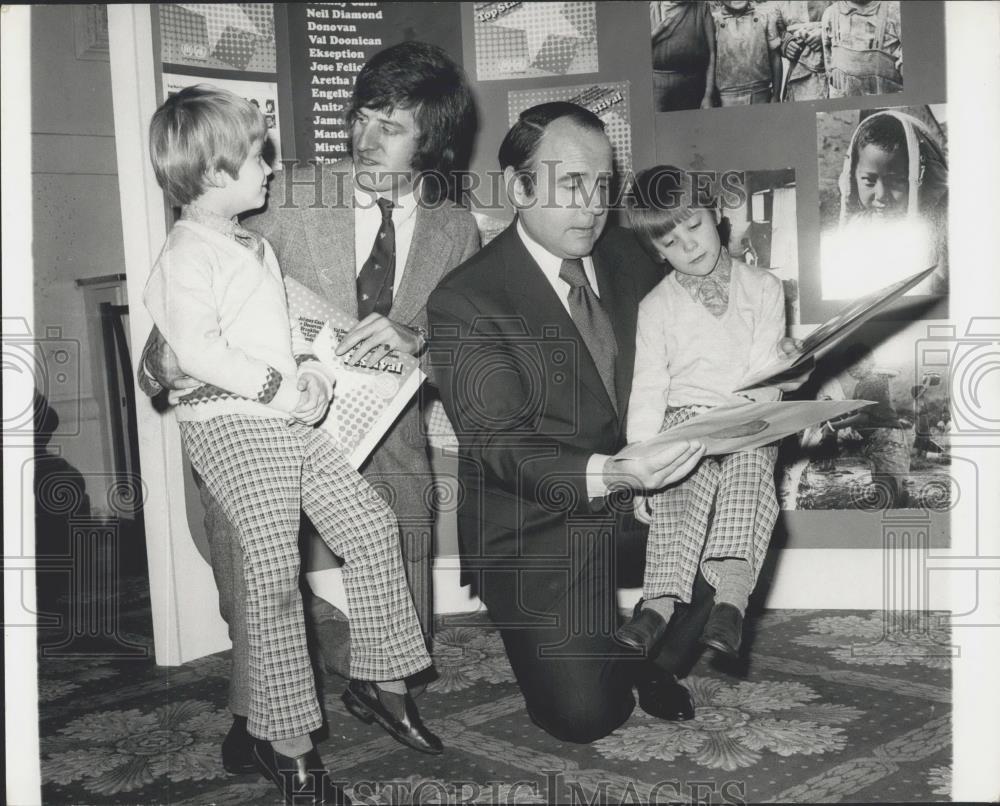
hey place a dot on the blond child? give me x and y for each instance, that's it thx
(217, 296)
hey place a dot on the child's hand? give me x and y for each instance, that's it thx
(812, 34)
(789, 348)
(793, 48)
(314, 400)
(643, 510)
(161, 363)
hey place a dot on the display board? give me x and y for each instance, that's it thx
(327, 44)
(795, 149)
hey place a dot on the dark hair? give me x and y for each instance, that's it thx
(883, 131)
(519, 146)
(422, 78)
(660, 198)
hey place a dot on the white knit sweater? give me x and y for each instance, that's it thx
(222, 309)
(685, 355)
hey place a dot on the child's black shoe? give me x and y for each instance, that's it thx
(644, 630)
(724, 629)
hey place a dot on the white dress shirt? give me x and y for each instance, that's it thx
(550, 266)
(368, 219)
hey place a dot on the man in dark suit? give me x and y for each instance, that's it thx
(373, 235)
(532, 346)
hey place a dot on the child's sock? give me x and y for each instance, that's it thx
(294, 747)
(392, 686)
(735, 582)
(663, 605)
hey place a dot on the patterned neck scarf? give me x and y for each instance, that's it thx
(712, 289)
(229, 227)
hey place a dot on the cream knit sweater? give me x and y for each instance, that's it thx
(685, 355)
(222, 309)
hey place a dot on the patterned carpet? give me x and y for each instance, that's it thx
(832, 706)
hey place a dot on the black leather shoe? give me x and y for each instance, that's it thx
(660, 695)
(303, 781)
(237, 749)
(724, 629)
(644, 630)
(394, 712)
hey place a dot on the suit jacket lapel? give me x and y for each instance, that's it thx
(429, 251)
(526, 279)
(329, 233)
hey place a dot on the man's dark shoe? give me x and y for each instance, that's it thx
(724, 629)
(237, 749)
(660, 695)
(394, 712)
(303, 781)
(644, 630)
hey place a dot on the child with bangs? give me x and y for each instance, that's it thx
(218, 297)
(708, 323)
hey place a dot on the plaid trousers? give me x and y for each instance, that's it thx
(263, 472)
(741, 487)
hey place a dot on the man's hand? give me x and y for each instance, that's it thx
(314, 400)
(161, 363)
(789, 348)
(668, 465)
(376, 331)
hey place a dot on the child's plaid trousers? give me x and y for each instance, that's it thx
(741, 486)
(264, 472)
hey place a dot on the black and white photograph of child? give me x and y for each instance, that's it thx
(683, 42)
(747, 53)
(862, 47)
(891, 455)
(736, 52)
(883, 194)
(706, 54)
(803, 70)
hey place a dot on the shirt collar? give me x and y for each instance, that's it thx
(403, 206)
(214, 221)
(550, 264)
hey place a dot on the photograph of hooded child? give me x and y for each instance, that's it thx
(893, 214)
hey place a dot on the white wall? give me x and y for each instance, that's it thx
(77, 227)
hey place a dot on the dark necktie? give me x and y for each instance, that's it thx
(593, 323)
(379, 272)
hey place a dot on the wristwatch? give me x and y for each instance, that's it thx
(422, 333)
